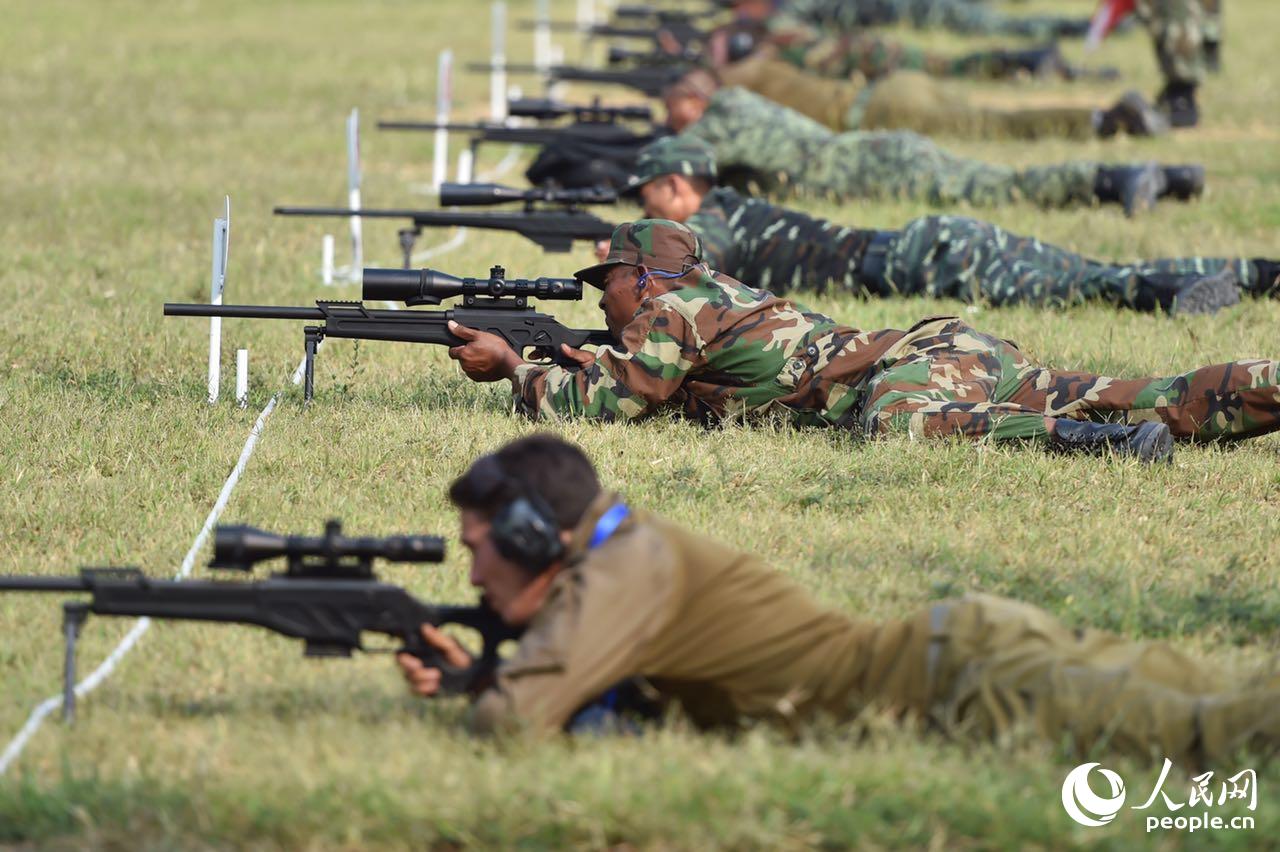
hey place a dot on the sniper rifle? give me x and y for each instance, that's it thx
(551, 218)
(328, 597)
(497, 304)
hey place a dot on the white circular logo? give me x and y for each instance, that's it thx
(1086, 807)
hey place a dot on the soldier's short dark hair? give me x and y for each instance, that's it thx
(545, 465)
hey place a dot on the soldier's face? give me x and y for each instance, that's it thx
(683, 110)
(621, 298)
(513, 592)
(658, 198)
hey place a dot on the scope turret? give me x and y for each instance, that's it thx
(430, 287)
(331, 555)
(480, 194)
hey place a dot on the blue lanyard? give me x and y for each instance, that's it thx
(608, 524)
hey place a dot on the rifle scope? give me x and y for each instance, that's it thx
(429, 287)
(545, 108)
(241, 547)
(478, 194)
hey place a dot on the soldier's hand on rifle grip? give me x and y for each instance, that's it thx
(585, 359)
(424, 679)
(484, 357)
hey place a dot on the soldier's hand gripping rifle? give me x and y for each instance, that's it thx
(551, 218)
(328, 597)
(495, 304)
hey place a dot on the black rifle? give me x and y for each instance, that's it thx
(651, 59)
(682, 30)
(327, 597)
(651, 80)
(554, 228)
(545, 109)
(608, 133)
(495, 304)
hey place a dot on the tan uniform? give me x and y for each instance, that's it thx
(732, 641)
(903, 100)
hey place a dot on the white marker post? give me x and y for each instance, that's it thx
(586, 13)
(218, 280)
(326, 261)
(444, 104)
(353, 194)
(242, 378)
(542, 36)
(497, 64)
(466, 166)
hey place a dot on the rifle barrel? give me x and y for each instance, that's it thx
(42, 584)
(174, 309)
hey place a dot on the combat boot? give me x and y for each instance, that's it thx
(1148, 442)
(1183, 182)
(1268, 283)
(1177, 101)
(1135, 187)
(1133, 115)
(1187, 294)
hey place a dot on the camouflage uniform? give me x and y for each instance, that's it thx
(714, 348)
(779, 151)
(864, 53)
(956, 15)
(954, 257)
(732, 641)
(1178, 28)
(903, 100)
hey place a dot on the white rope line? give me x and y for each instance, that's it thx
(45, 708)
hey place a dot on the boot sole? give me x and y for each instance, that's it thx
(1208, 295)
(1152, 443)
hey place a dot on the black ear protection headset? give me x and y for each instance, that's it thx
(524, 527)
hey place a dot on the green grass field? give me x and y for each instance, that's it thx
(125, 123)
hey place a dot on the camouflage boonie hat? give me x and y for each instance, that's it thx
(655, 243)
(672, 155)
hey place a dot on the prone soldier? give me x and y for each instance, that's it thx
(607, 593)
(693, 341)
(780, 152)
(782, 250)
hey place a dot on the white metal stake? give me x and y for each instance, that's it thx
(353, 194)
(326, 260)
(586, 13)
(218, 280)
(242, 378)
(542, 35)
(466, 166)
(444, 104)
(497, 64)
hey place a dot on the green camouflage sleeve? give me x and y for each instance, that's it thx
(659, 348)
(719, 249)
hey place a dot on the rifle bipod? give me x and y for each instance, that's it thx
(311, 337)
(74, 614)
(408, 236)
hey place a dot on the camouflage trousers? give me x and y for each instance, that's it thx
(944, 378)
(912, 100)
(873, 57)
(886, 164)
(985, 667)
(961, 258)
(962, 16)
(1178, 28)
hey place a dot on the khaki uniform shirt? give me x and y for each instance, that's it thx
(708, 626)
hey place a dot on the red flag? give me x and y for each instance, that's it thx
(1110, 13)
